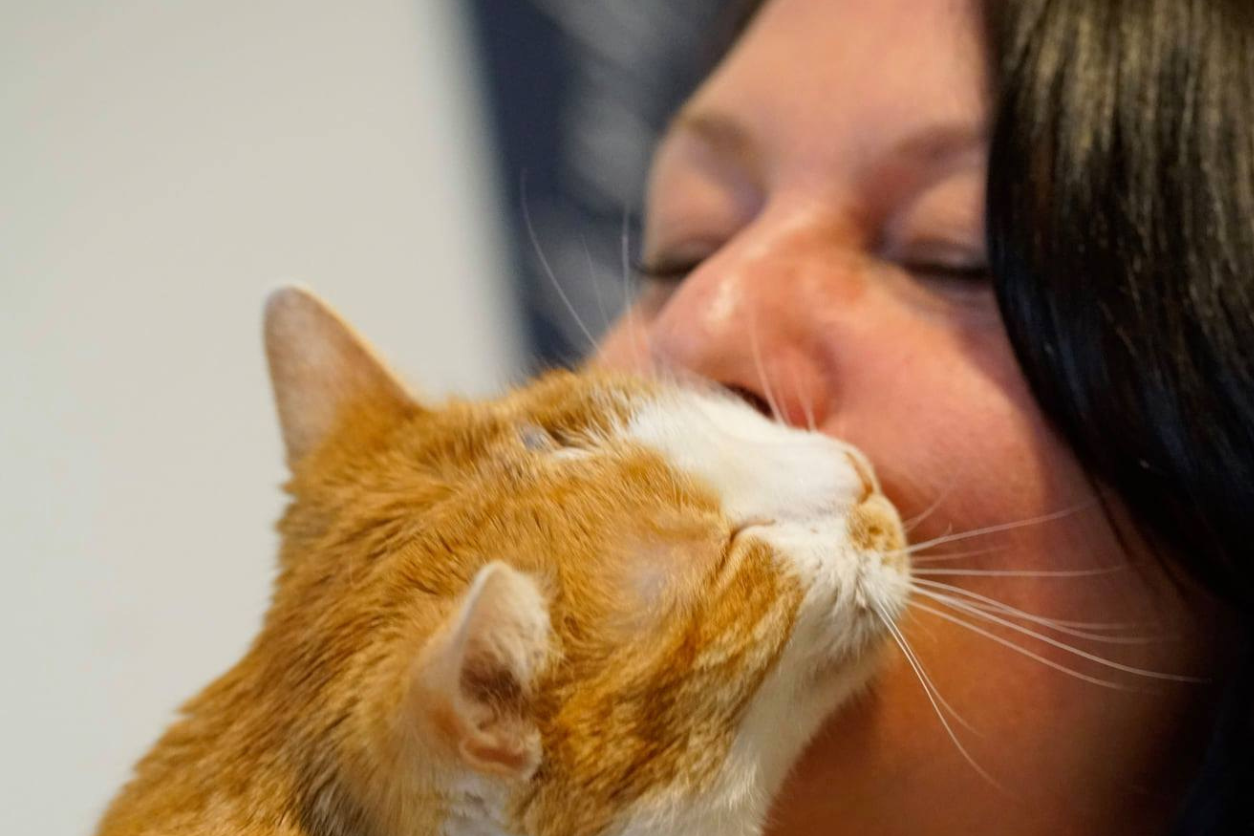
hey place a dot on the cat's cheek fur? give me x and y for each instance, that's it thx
(813, 499)
(815, 503)
(775, 729)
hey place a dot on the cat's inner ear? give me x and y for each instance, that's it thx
(472, 687)
(318, 366)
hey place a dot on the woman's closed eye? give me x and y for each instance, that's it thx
(971, 273)
(667, 270)
(953, 269)
(974, 272)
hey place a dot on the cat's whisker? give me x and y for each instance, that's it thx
(1025, 573)
(1105, 683)
(761, 368)
(900, 639)
(645, 361)
(1078, 629)
(807, 408)
(1094, 626)
(994, 529)
(928, 683)
(595, 278)
(1061, 645)
(947, 556)
(548, 270)
(914, 522)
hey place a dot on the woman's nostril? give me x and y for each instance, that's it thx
(752, 398)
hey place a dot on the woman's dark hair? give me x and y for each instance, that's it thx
(1120, 224)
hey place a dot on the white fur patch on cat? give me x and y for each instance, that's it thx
(760, 469)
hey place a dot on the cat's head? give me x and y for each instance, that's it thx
(598, 604)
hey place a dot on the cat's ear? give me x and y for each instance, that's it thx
(319, 364)
(472, 686)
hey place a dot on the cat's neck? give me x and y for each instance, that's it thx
(479, 808)
(724, 823)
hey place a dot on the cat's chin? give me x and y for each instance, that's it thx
(849, 670)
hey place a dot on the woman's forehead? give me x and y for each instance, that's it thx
(846, 81)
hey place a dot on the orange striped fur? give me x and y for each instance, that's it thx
(518, 617)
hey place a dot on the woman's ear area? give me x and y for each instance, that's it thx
(318, 366)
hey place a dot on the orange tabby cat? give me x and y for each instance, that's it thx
(599, 605)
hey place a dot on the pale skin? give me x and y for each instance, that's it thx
(824, 187)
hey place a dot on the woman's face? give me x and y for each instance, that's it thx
(815, 219)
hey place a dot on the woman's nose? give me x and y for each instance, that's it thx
(745, 323)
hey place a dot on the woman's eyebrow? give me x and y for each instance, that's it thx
(722, 134)
(933, 145)
(940, 144)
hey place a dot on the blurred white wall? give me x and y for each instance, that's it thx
(163, 164)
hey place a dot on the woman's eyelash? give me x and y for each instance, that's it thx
(665, 271)
(973, 273)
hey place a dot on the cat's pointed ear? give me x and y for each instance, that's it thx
(319, 364)
(473, 684)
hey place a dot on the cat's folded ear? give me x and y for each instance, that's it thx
(472, 686)
(318, 366)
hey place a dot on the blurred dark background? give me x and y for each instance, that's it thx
(579, 91)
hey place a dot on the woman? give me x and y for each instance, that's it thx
(1009, 252)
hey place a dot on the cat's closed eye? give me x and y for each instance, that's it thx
(559, 444)
(536, 439)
